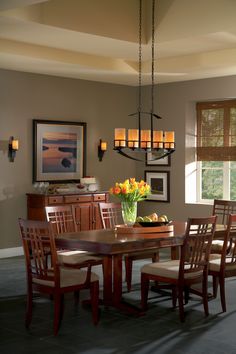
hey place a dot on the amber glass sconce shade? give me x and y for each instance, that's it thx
(102, 147)
(13, 147)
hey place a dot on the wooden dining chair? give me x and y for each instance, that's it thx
(225, 267)
(191, 268)
(56, 280)
(111, 215)
(62, 219)
(222, 208)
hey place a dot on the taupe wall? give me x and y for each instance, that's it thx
(24, 97)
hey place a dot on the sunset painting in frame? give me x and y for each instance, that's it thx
(59, 150)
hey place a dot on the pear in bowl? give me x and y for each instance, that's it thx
(163, 218)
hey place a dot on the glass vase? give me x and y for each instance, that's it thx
(129, 212)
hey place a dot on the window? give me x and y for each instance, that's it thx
(216, 150)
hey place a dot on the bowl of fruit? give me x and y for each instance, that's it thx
(152, 220)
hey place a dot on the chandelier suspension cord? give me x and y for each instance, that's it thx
(152, 69)
(140, 69)
(153, 54)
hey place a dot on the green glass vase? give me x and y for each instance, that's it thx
(129, 212)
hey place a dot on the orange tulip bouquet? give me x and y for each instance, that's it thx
(130, 192)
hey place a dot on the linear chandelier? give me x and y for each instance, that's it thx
(159, 143)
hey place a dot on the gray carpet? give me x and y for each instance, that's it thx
(159, 331)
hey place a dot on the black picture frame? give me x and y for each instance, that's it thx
(160, 185)
(165, 161)
(59, 151)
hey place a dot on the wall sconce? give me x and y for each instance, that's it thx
(12, 148)
(102, 147)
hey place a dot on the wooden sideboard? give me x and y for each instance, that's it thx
(86, 207)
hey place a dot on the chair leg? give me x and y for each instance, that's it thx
(215, 285)
(156, 257)
(205, 295)
(62, 308)
(181, 303)
(46, 260)
(94, 293)
(103, 267)
(222, 293)
(174, 296)
(186, 295)
(77, 297)
(29, 306)
(144, 291)
(128, 272)
(57, 312)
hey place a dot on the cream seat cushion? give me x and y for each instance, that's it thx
(214, 256)
(217, 246)
(68, 277)
(168, 269)
(76, 257)
(214, 264)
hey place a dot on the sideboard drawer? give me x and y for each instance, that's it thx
(99, 197)
(55, 200)
(78, 198)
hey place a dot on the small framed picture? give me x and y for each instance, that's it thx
(59, 150)
(150, 160)
(160, 185)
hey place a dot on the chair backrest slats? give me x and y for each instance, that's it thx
(223, 208)
(38, 242)
(229, 255)
(197, 243)
(61, 218)
(111, 214)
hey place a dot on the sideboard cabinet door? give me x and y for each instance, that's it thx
(83, 216)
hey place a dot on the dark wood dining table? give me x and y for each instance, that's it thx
(113, 244)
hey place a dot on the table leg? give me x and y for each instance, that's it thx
(107, 280)
(118, 302)
(117, 279)
(175, 252)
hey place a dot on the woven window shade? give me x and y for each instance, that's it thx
(216, 131)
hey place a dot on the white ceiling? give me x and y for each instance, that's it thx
(97, 39)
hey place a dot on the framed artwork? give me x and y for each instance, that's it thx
(59, 150)
(150, 156)
(160, 185)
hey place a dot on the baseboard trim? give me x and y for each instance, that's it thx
(11, 252)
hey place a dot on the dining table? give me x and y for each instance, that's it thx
(113, 244)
